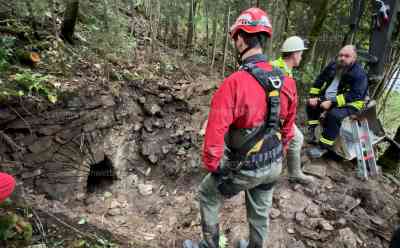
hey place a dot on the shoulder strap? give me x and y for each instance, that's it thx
(272, 82)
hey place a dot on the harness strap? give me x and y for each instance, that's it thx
(272, 82)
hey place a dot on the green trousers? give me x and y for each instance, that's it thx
(258, 187)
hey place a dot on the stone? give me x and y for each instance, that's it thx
(300, 217)
(341, 222)
(38, 246)
(49, 130)
(30, 174)
(132, 180)
(346, 238)
(148, 125)
(318, 170)
(326, 226)
(152, 109)
(114, 212)
(107, 100)
(145, 189)
(313, 235)
(274, 213)
(153, 158)
(290, 230)
(293, 243)
(41, 145)
(377, 220)
(289, 204)
(313, 211)
(166, 148)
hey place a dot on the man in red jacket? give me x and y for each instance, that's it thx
(7, 184)
(249, 125)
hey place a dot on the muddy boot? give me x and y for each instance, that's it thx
(296, 175)
(310, 136)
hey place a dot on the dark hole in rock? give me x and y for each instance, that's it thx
(101, 176)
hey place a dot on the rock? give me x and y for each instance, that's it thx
(132, 180)
(290, 230)
(326, 226)
(49, 130)
(289, 204)
(152, 109)
(341, 222)
(41, 145)
(293, 243)
(114, 212)
(313, 235)
(153, 158)
(142, 100)
(145, 189)
(38, 246)
(181, 152)
(107, 100)
(313, 211)
(377, 220)
(148, 125)
(31, 174)
(166, 148)
(300, 217)
(318, 170)
(274, 213)
(346, 238)
(115, 204)
(137, 126)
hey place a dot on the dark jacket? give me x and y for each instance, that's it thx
(353, 86)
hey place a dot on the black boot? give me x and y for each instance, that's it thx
(211, 237)
(310, 136)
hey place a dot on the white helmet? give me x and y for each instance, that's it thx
(293, 44)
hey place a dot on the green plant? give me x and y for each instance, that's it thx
(35, 83)
(6, 51)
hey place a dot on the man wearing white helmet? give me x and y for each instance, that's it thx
(292, 50)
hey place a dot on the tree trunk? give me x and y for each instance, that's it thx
(70, 17)
(214, 37)
(226, 41)
(191, 27)
(207, 32)
(390, 160)
(316, 28)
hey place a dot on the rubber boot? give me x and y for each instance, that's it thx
(296, 175)
(210, 237)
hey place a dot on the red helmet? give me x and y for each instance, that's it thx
(253, 20)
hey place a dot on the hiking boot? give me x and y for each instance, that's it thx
(310, 136)
(301, 178)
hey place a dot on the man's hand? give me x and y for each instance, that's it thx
(313, 102)
(326, 105)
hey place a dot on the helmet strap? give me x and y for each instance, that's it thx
(240, 61)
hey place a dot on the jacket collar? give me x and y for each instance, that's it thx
(255, 59)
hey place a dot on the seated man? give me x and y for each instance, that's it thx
(339, 91)
(7, 184)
